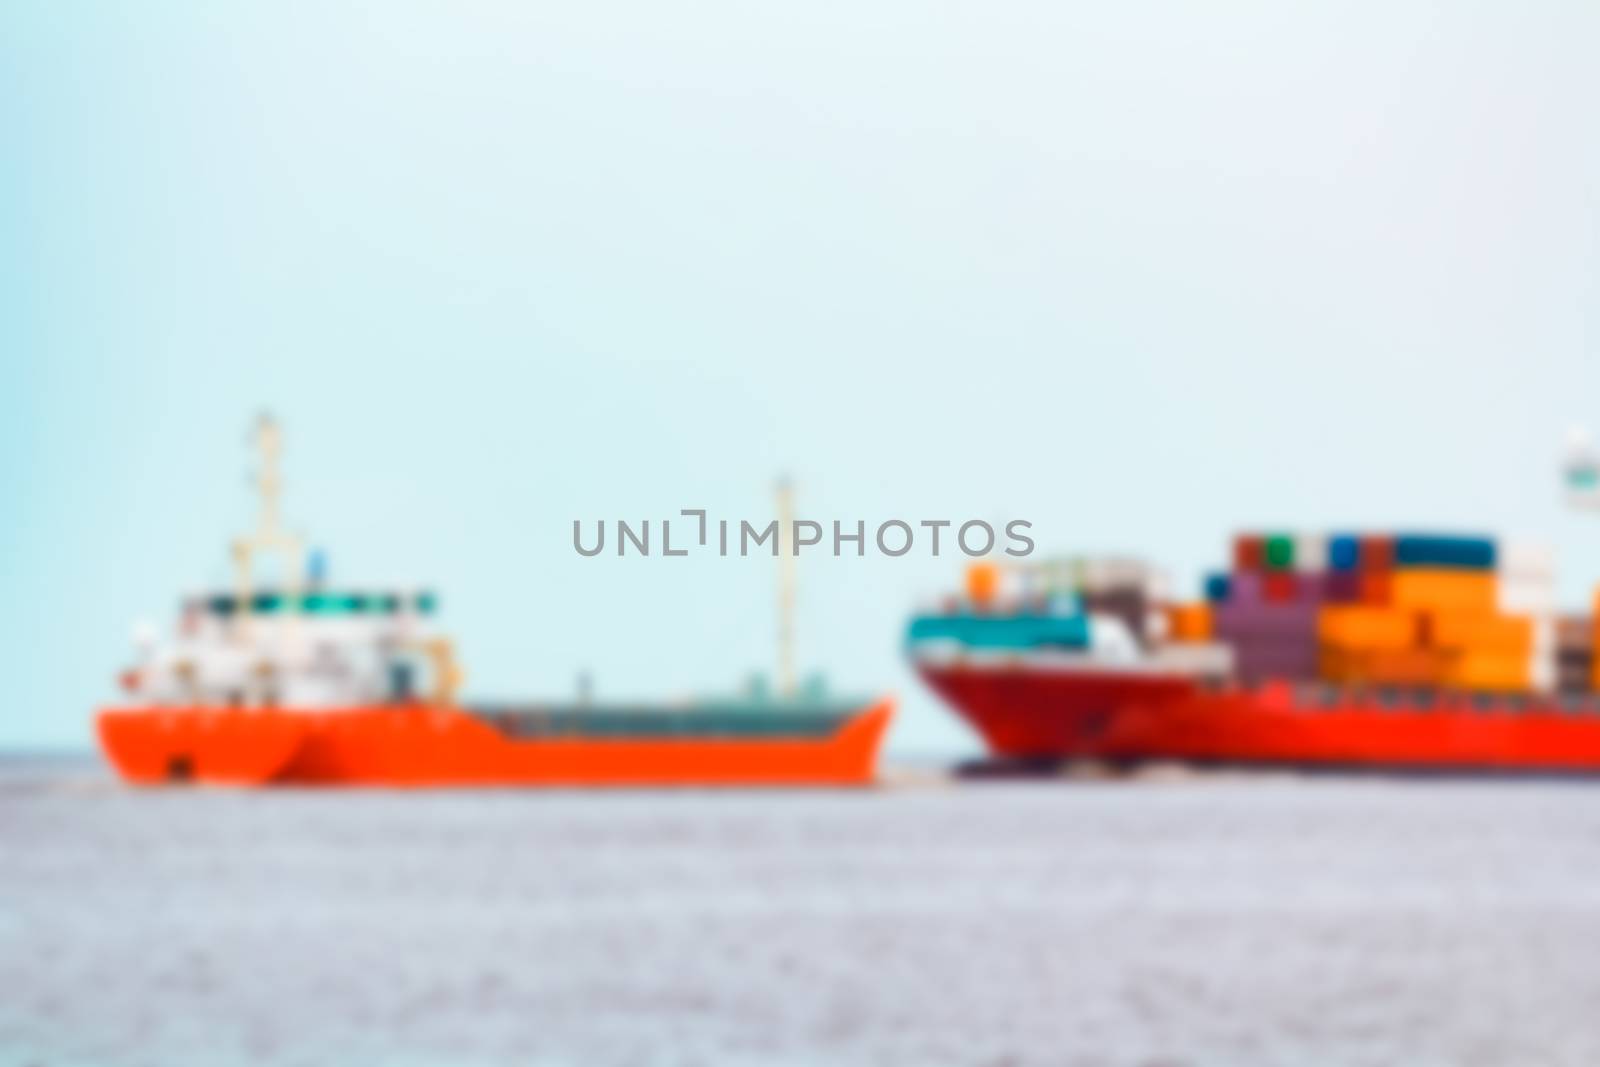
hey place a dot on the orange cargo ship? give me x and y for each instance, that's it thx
(426, 745)
(1401, 652)
(301, 684)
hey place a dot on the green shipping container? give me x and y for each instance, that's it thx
(1279, 552)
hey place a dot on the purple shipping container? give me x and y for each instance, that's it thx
(1270, 639)
(1289, 619)
(1254, 664)
(1279, 643)
(1244, 588)
(1285, 657)
(1341, 587)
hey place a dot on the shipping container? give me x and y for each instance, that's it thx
(1361, 627)
(1441, 589)
(1189, 622)
(983, 582)
(1437, 551)
(1344, 552)
(1279, 552)
(1310, 553)
(1341, 587)
(1381, 666)
(1576, 659)
(1281, 586)
(1509, 635)
(1488, 671)
(1575, 631)
(1575, 670)
(1377, 553)
(1245, 588)
(1256, 663)
(1244, 619)
(1249, 553)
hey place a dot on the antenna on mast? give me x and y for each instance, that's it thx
(269, 535)
(786, 584)
(1581, 470)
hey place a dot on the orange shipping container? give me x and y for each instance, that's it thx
(1504, 635)
(1341, 667)
(1189, 622)
(1404, 666)
(1383, 666)
(1486, 671)
(1366, 627)
(1336, 665)
(1438, 589)
(983, 582)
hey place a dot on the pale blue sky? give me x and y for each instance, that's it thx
(1141, 273)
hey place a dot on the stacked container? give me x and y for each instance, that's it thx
(1408, 610)
(1267, 607)
(1575, 654)
(1361, 636)
(1189, 623)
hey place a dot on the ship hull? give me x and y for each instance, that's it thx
(441, 746)
(1035, 713)
(1026, 712)
(224, 746)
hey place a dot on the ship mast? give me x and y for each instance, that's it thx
(269, 534)
(786, 584)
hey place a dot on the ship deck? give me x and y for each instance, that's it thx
(639, 720)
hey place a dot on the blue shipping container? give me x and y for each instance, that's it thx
(1344, 552)
(1218, 586)
(1432, 550)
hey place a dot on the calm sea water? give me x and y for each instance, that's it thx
(1187, 920)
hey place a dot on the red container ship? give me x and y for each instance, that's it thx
(1396, 652)
(299, 683)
